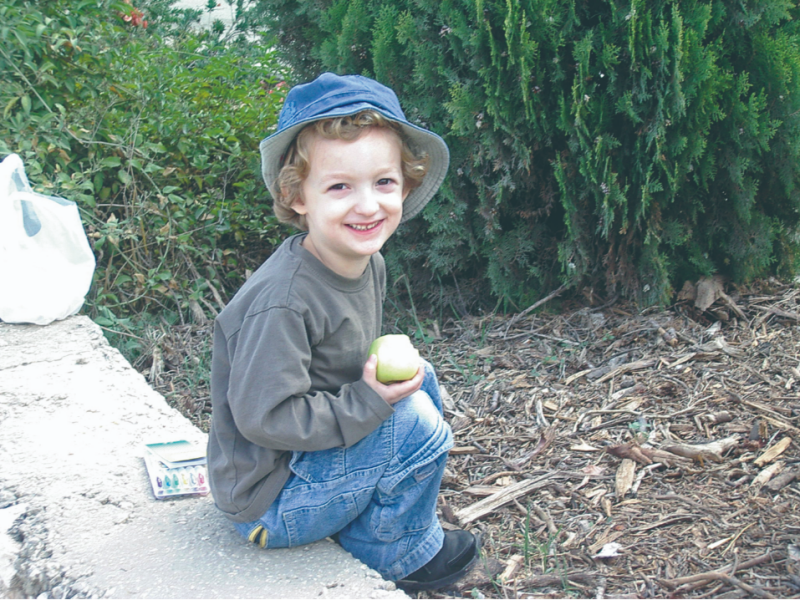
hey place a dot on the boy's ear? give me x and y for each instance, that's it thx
(298, 205)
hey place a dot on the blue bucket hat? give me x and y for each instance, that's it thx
(337, 96)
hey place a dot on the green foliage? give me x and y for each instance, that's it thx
(156, 138)
(632, 144)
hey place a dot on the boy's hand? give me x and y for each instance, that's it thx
(392, 392)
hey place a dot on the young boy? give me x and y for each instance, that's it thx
(305, 443)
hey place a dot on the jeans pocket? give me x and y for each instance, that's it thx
(399, 513)
(312, 523)
(320, 466)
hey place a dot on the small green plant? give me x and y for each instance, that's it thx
(526, 536)
(418, 332)
(492, 579)
(533, 548)
(467, 373)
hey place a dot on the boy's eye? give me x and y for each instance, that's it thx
(385, 181)
(337, 186)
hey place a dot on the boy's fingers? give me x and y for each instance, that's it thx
(392, 392)
(406, 388)
(371, 366)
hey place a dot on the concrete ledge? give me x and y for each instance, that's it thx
(77, 516)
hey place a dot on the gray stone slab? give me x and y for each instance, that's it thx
(77, 515)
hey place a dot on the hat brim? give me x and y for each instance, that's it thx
(422, 141)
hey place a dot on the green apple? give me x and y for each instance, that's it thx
(398, 360)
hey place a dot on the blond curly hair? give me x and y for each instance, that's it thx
(296, 164)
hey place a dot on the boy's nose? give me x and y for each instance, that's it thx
(367, 203)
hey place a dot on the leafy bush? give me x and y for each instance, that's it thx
(625, 145)
(156, 138)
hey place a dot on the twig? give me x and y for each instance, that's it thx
(487, 505)
(551, 338)
(626, 368)
(759, 560)
(681, 499)
(556, 580)
(667, 521)
(121, 333)
(693, 582)
(756, 591)
(545, 516)
(536, 305)
(13, 63)
(494, 476)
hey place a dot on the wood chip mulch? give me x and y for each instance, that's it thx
(610, 453)
(607, 452)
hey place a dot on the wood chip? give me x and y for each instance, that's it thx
(576, 376)
(767, 474)
(700, 452)
(784, 479)
(483, 507)
(583, 447)
(512, 566)
(627, 368)
(463, 450)
(625, 475)
(773, 452)
(665, 522)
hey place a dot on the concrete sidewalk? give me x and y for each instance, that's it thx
(77, 515)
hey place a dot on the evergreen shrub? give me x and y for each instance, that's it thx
(624, 145)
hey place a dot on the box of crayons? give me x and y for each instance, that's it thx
(176, 469)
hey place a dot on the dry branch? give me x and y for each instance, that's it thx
(756, 591)
(488, 505)
(701, 452)
(536, 305)
(779, 313)
(668, 521)
(781, 481)
(767, 474)
(645, 456)
(636, 365)
(557, 580)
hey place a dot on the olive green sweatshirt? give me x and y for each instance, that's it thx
(288, 357)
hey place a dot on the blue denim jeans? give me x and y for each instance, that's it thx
(379, 494)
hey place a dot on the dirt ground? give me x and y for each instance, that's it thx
(607, 452)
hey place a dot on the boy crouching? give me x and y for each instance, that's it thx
(305, 443)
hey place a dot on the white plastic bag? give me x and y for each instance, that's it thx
(46, 264)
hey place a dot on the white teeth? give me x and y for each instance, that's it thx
(364, 227)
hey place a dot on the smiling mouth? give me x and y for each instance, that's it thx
(366, 227)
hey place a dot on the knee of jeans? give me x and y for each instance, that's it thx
(418, 424)
(430, 372)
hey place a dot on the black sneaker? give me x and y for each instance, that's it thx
(449, 565)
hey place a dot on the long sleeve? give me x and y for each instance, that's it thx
(286, 374)
(270, 391)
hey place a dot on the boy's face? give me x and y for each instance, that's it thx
(352, 198)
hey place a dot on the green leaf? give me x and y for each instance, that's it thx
(111, 161)
(9, 106)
